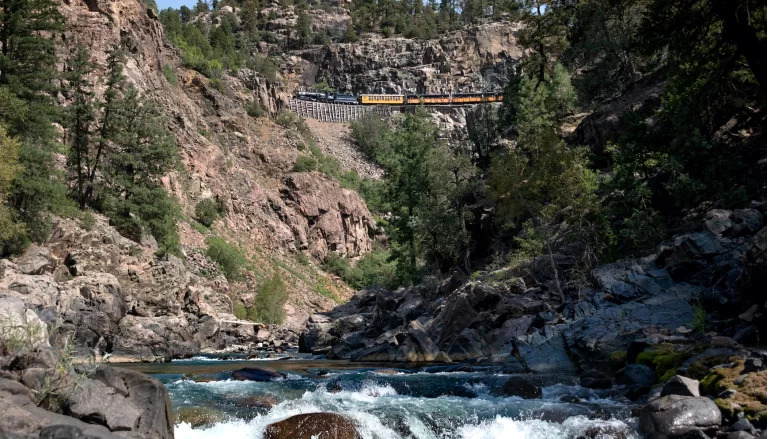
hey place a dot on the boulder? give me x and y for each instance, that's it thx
(36, 260)
(680, 385)
(522, 387)
(124, 400)
(256, 374)
(313, 426)
(638, 378)
(675, 415)
(198, 417)
(638, 375)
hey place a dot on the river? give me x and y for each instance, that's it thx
(389, 402)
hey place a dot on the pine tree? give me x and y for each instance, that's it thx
(143, 151)
(303, 27)
(27, 69)
(28, 59)
(79, 120)
(406, 162)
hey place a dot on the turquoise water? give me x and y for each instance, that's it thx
(388, 403)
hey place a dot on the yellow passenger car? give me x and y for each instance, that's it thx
(382, 99)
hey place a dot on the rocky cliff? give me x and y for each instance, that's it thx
(515, 317)
(241, 161)
(478, 58)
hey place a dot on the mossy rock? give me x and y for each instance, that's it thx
(700, 368)
(664, 358)
(199, 417)
(721, 378)
(618, 359)
(747, 392)
(666, 376)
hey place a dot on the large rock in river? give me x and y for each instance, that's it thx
(674, 415)
(313, 426)
(256, 374)
(522, 387)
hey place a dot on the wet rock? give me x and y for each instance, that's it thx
(595, 380)
(198, 417)
(603, 432)
(522, 387)
(572, 399)
(742, 425)
(256, 374)
(638, 378)
(313, 425)
(680, 385)
(638, 374)
(675, 415)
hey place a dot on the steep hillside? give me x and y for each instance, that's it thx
(243, 162)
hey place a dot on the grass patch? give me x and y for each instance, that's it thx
(170, 75)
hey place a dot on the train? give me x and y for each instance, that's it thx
(404, 99)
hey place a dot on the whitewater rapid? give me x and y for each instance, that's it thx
(405, 405)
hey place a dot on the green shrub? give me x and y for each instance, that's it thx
(218, 84)
(286, 118)
(229, 259)
(304, 164)
(206, 211)
(302, 259)
(199, 227)
(326, 164)
(322, 87)
(699, 321)
(337, 265)
(239, 310)
(263, 67)
(371, 134)
(254, 109)
(268, 306)
(170, 75)
(373, 270)
(13, 235)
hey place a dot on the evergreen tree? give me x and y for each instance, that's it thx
(303, 27)
(545, 33)
(201, 7)
(79, 120)
(27, 69)
(143, 151)
(543, 187)
(28, 59)
(406, 162)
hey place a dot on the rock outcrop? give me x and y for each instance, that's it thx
(114, 296)
(43, 396)
(477, 58)
(515, 317)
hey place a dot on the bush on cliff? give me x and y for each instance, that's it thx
(268, 306)
(206, 211)
(229, 259)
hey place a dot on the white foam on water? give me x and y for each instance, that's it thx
(507, 428)
(374, 404)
